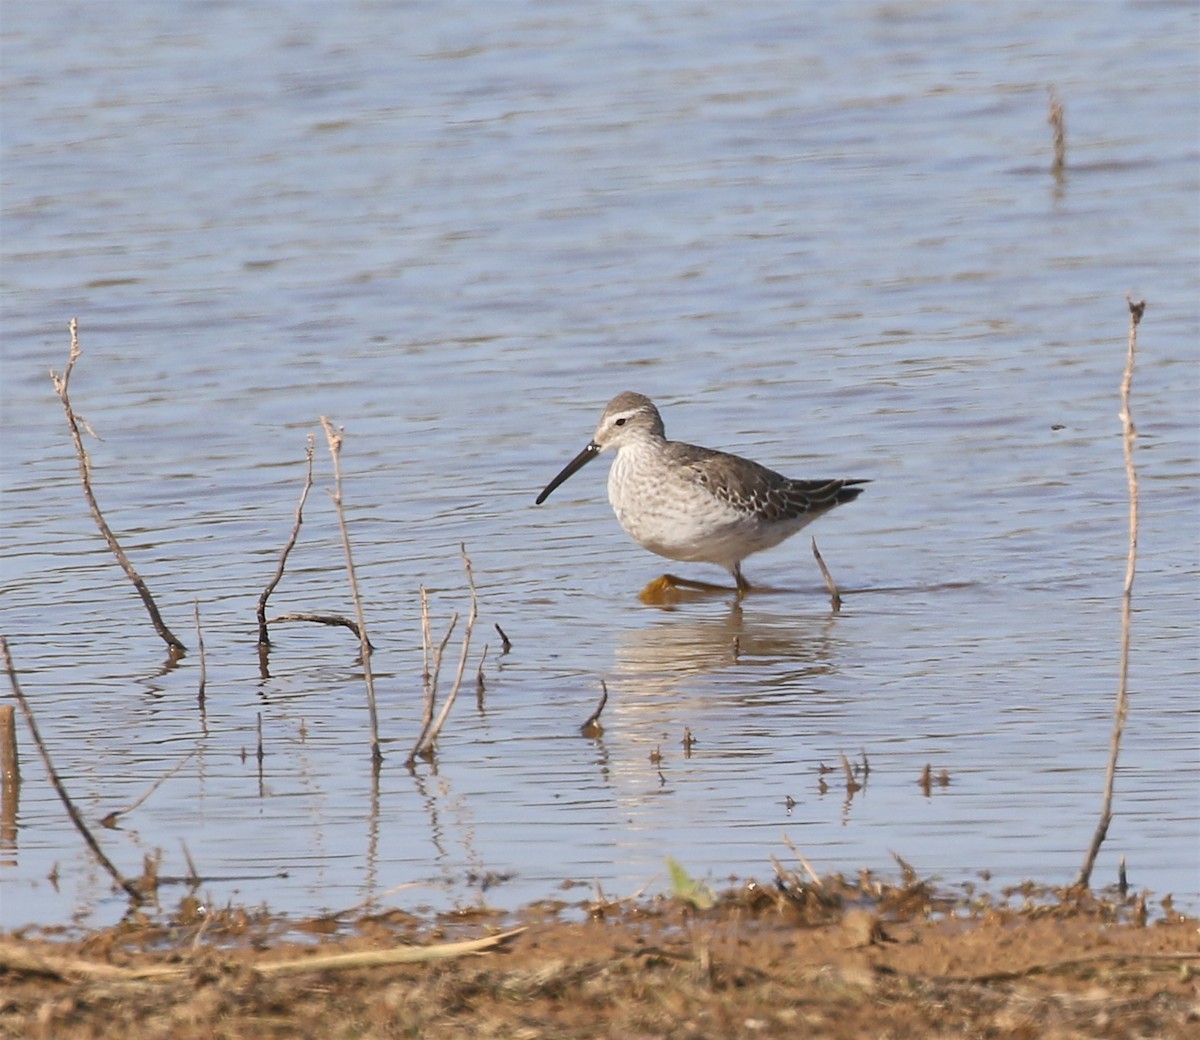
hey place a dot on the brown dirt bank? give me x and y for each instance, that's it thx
(820, 959)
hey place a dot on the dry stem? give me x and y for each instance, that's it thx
(130, 888)
(1058, 124)
(591, 726)
(14, 957)
(429, 734)
(323, 619)
(176, 648)
(1122, 707)
(203, 682)
(835, 597)
(264, 640)
(111, 818)
(334, 437)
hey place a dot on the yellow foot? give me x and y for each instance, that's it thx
(670, 589)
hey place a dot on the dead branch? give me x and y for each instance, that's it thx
(17, 958)
(835, 597)
(323, 619)
(591, 726)
(203, 682)
(176, 648)
(426, 746)
(264, 639)
(110, 819)
(428, 683)
(130, 888)
(1057, 122)
(813, 875)
(334, 438)
(1121, 711)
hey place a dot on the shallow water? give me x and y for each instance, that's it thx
(830, 241)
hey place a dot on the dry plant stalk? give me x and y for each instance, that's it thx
(430, 730)
(16, 958)
(591, 726)
(76, 818)
(334, 438)
(813, 875)
(335, 620)
(835, 597)
(10, 780)
(203, 681)
(431, 671)
(1058, 124)
(264, 640)
(110, 819)
(10, 763)
(1136, 310)
(176, 648)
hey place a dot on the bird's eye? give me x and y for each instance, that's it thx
(620, 422)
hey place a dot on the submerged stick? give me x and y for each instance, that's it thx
(264, 639)
(1129, 436)
(176, 648)
(591, 726)
(835, 597)
(10, 763)
(323, 619)
(10, 781)
(428, 677)
(76, 818)
(1058, 124)
(110, 819)
(203, 682)
(334, 437)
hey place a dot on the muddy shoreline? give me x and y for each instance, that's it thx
(789, 957)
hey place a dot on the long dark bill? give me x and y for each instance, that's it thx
(577, 463)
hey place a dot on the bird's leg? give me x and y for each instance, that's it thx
(743, 586)
(665, 589)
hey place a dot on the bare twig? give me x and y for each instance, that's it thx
(264, 639)
(10, 777)
(1058, 124)
(480, 683)
(10, 763)
(176, 648)
(334, 437)
(110, 819)
(427, 679)
(852, 784)
(431, 675)
(835, 597)
(1122, 706)
(323, 619)
(14, 958)
(200, 647)
(505, 642)
(816, 878)
(260, 754)
(130, 888)
(193, 875)
(591, 726)
(431, 740)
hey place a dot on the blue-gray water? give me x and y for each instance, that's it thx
(825, 236)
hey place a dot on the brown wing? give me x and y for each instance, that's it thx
(752, 488)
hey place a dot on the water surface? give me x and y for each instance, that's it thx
(829, 239)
